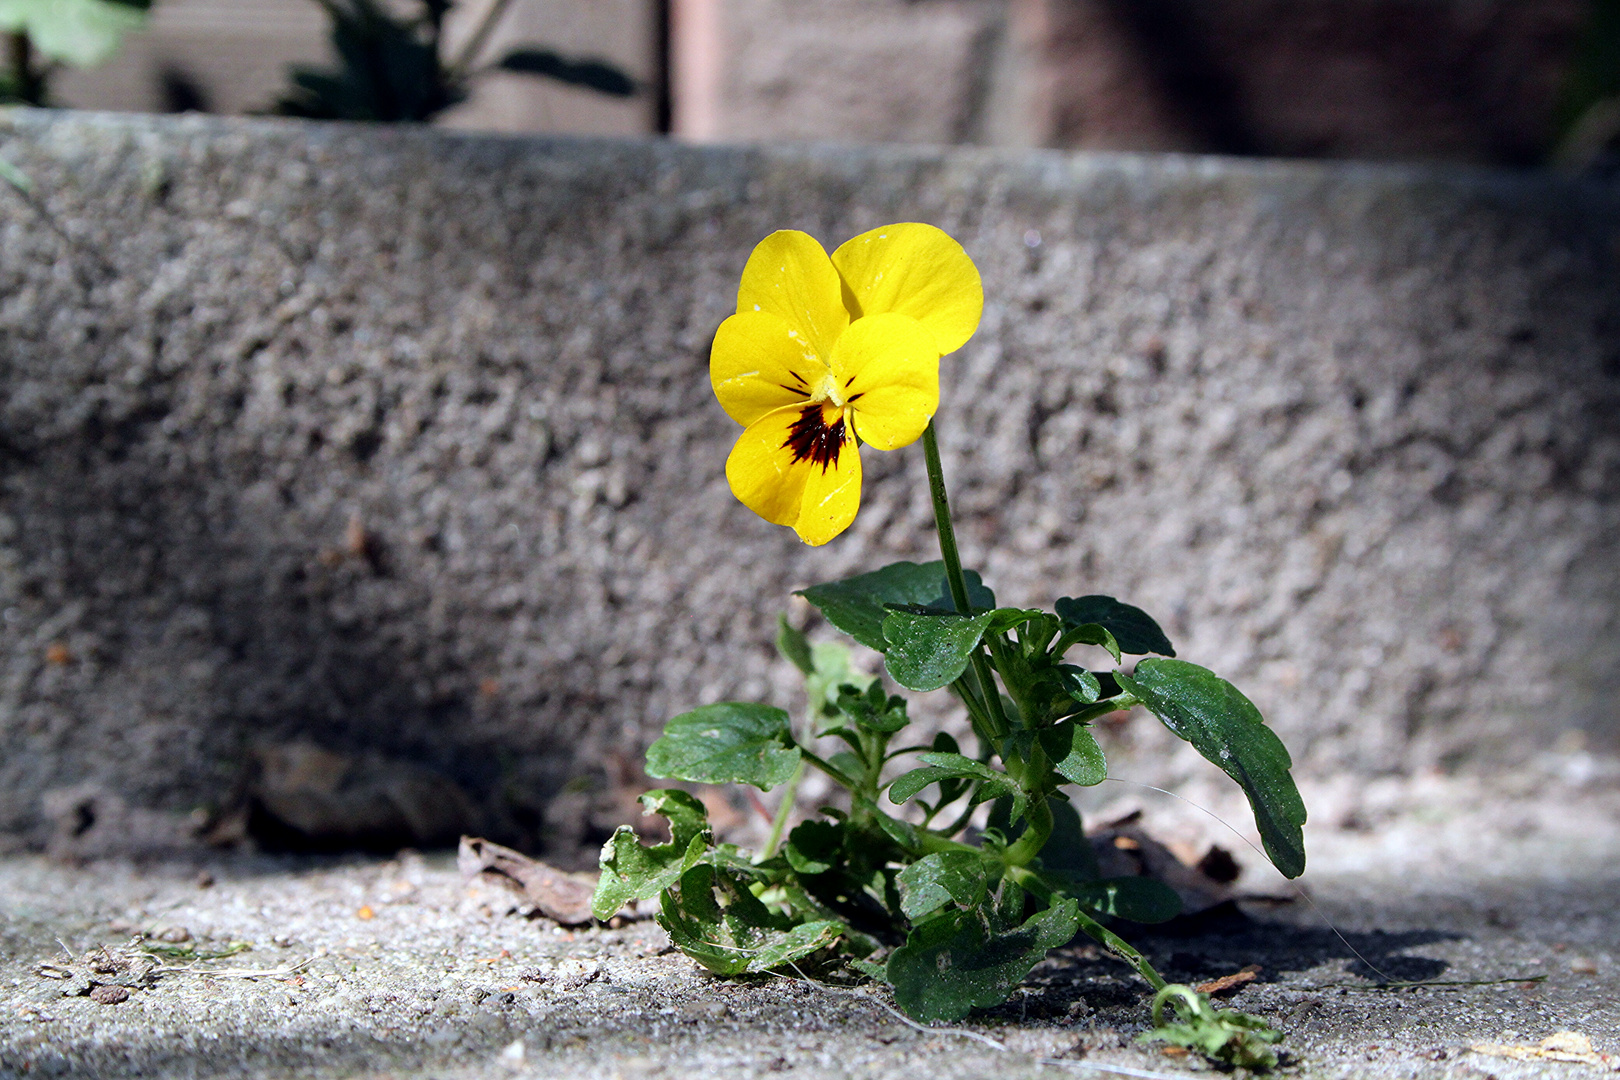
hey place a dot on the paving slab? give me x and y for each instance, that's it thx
(398, 968)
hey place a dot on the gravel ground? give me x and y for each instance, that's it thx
(398, 968)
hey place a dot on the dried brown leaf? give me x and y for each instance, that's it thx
(563, 897)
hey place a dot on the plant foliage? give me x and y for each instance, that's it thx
(891, 880)
(393, 67)
(79, 33)
(952, 924)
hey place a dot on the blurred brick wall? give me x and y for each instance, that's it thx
(1471, 80)
(1460, 80)
(1463, 80)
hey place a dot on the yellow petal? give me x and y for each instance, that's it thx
(790, 276)
(832, 495)
(916, 270)
(763, 471)
(887, 370)
(757, 365)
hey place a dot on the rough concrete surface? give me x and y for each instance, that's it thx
(401, 442)
(397, 969)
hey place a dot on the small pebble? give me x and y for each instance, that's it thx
(707, 1010)
(573, 974)
(175, 935)
(205, 880)
(108, 995)
(1583, 965)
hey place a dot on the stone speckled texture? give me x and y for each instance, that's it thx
(402, 441)
(413, 974)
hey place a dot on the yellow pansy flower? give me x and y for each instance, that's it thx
(825, 354)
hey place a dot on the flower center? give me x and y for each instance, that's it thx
(828, 388)
(818, 434)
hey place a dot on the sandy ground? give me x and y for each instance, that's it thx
(398, 968)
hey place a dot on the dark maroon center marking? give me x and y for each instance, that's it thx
(810, 438)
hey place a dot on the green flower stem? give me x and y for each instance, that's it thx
(1103, 708)
(1116, 945)
(963, 689)
(953, 576)
(790, 794)
(1036, 832)
(831, 771)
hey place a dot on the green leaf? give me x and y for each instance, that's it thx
(858, 605)
(730, 743)
(980, 598)
(1075, 754)
(1094, 634)
(1133, 629)
(814, 846)
(15, 177)
(871, 969)
(942, 766)
(874, 710)
(834, 668)
(928, 651)
(953, 964)
(1080, 684)
(634, 871)
(1224, 726)
(903, 833)
(942, 878)
(939, 765)
(794, 646)
(1219, 1034)
(1139, 899)
(82, 33)
(713, 917)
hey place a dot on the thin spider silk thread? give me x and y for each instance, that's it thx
(1303, 895)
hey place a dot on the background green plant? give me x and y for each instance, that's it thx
(395, 68)
(41, 35)
(1588, 120)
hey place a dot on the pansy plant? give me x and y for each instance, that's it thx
(909, 882)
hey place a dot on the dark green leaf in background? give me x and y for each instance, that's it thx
(953, 964)
(593, 74)
(794, 646)
(730, 743)
(858, 605)
(980, 598)
(1225, 727)
(834, 668)
(1133, 628)
(1139, 899)
(634, 871)
(814, 846)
